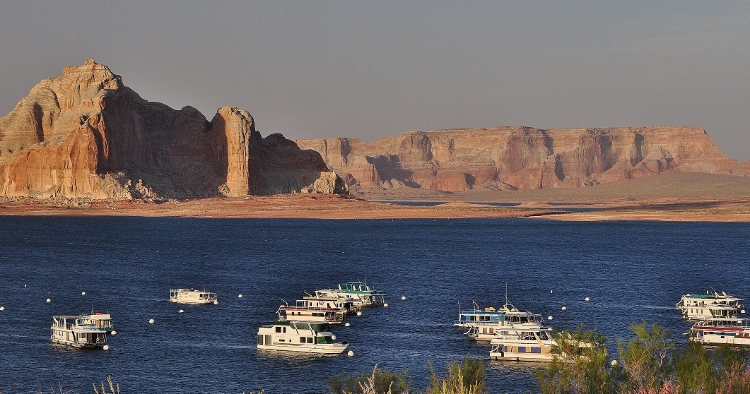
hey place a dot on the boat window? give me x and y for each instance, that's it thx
(278, 329)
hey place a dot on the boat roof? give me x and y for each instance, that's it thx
(713, 296)
(190, 290)
(317, 326)
(359, 286)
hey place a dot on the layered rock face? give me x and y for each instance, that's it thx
(84, 134)
(517, 158)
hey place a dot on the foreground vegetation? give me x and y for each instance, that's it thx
(649, 363)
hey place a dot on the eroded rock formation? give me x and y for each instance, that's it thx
(84, 134)
(517, 158)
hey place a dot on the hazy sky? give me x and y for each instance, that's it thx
(370, 69)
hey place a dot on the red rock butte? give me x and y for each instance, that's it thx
(84, 134)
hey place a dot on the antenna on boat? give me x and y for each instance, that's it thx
(507, 302)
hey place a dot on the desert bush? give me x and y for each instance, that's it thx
(113, 388)
(376, 382)
(460, 379)
(580, 365)
(649, 363)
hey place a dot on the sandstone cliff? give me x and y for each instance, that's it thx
(517, 158)
(84, 134)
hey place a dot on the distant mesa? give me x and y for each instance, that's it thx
(519, 158)
(84, 134)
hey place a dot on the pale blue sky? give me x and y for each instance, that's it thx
(371, 69)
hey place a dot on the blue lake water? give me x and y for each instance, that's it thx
(631, 271)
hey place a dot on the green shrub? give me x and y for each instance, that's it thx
(460, 379)
(649, 363)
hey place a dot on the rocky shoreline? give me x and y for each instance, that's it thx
(347, 207)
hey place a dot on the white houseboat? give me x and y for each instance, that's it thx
(523, 344)
(304, 310)
(343, 303)
(509, 321)
(476, 316)
(709, 305)
(360, 292)
(192, 296)
(295, 336)
(528, 344)
(482, 323)
(75, 332)
(720, 331)
(102, 321)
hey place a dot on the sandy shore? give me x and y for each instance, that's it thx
(340, 207)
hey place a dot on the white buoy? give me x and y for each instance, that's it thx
(2, 308)
(150, 321)
(106, 347)
(239, 296)
(216, 302)
(614, 363)
(385, 305)
(742, 311)
(564, 308)
(181, 311)
(48, 300)
(549, 317)
(346, 324)
(550, 291)
(113, 332)
(333, 337)
(350, 353)
(24, 285)
(586, 299)
(83, 293)
(359, 313)
(403, 298)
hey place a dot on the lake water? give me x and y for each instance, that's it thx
(631, 271)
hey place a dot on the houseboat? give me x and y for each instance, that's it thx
(720, 331)
(296, 336)
(483, 322)
(360, 292)
(304, 310)
(192, 296)
(102, 321)
(476, 316)
(527, 344)
(708, 306)
(73, 331)
(509, 321)
(344, 304)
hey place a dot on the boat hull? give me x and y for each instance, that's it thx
(515, 356)
(333, 349)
